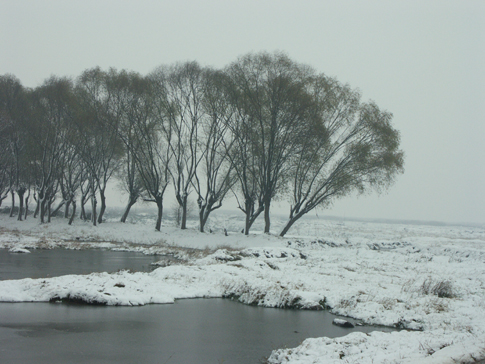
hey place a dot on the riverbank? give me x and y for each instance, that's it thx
(429, 279)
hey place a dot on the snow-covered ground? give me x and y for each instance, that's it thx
(429, 279)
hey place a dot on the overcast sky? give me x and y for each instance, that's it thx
(424, 61)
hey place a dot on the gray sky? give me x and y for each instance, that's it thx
(421, 60)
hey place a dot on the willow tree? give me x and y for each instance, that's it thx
(179, 96)
(53, 104)
(214, 178)
(5, 160)
(13, 125)
(71, 178)
(100, 145)
(144, 138)
(122, 95)
(243, 155)
(349, 147)
(268, 92)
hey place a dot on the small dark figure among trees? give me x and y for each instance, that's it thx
(263, 128)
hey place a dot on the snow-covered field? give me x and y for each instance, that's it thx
(429, 279)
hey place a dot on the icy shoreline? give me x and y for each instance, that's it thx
(423, 278)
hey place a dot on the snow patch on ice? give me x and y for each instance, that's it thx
(18, 250)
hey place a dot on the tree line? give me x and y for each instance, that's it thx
(262, 128)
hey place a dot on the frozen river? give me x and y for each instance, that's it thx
(44, 263)
(189, 331)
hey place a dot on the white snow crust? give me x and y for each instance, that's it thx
(428, 279)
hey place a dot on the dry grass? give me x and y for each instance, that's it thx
(442, 289)
(430, 287)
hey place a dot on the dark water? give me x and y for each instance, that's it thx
(189, 331)
(43, 263)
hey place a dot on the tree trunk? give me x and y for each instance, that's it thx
(159, 201)
(56, 210)
(49, 206)
(82, 216)
(267, 221)
(21, 193)
(251, 215)
(13, 203)
(84, 200)
(73, 212)
(290, 223)
(206, 210)
(27, 205)
(247, 224)
(203, 216)
(183, 225)
(249, 210)
(37, 208)
(253, 218)
(42, 210)
(131, 202)
(66, 211)
(103, 206)
(93, 210)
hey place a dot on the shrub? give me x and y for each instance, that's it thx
(442, 289)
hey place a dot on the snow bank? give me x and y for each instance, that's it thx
(439, 347)
(430, 279)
